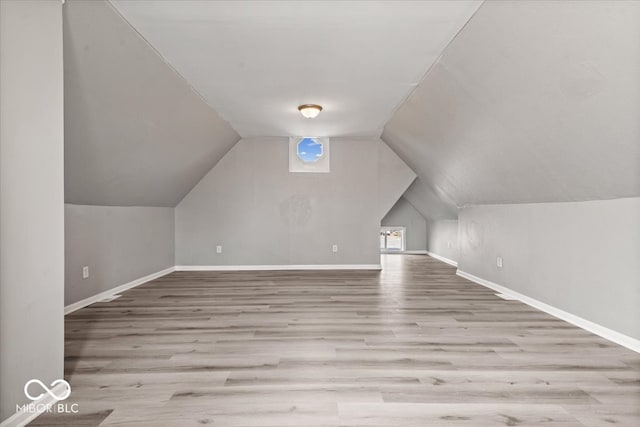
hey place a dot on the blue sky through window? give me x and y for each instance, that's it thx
(309, 150)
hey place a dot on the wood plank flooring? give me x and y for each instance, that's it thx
(413, 345)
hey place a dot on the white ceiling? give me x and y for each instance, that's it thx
(254, 62)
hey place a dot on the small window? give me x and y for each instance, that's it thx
(309, 150)
(308, 154)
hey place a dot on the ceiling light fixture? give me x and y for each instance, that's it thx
(309, 110)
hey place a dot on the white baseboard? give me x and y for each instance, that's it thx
(443, 259)
(604, 332)
(111, 292)
(22, 418)
(414, 252)
(278, 267)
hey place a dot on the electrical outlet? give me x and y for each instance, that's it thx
(219, 249)
(334, 248)
(85, 272)
(499, 262)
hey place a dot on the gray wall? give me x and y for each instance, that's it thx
(581, 257)
(544, 110)
(403, 213)
(264, 215)
(118, 244)
(136, 133)
(31, 198)
(443, 238)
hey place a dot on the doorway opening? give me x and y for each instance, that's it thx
(392, 239)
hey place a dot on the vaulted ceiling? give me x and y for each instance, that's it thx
(256, 61)
(529, 102)
(136, 133)
(532, 102)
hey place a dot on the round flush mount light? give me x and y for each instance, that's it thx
(309, 110)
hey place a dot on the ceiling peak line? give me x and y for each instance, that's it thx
(431, 67)
(168, 64)
(236, 60)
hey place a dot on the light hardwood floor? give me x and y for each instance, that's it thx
(413, 345)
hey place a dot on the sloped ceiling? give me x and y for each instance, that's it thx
(431, 205)
(532, 102)
(256, 61)
(136, 133)
(393, 180)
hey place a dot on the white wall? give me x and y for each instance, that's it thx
(118, 244)
(31, 198)
(404, 214)
(581, 257)
(262, 214)
(443, 238)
